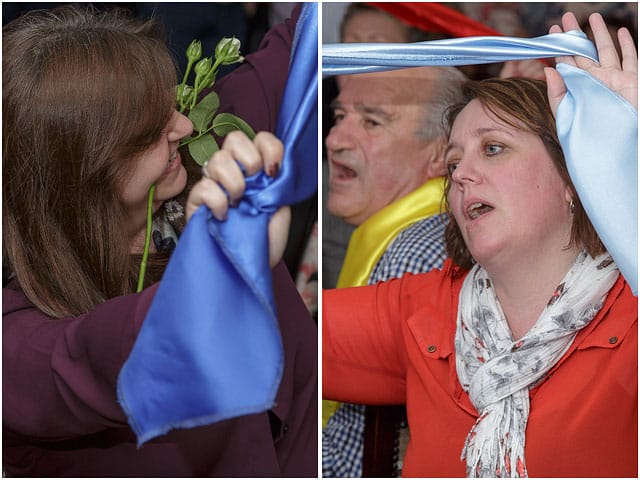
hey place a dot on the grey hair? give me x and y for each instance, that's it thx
(445, 89)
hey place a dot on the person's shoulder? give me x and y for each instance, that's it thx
(439, 286)
(417, 248)
(621, 302)
(423, 234)
(14, 299)
(430, 295)
(17, 306)
(621, 305)
(616, 324)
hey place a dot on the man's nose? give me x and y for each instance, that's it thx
(340, 136)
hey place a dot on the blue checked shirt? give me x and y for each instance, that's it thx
(418, 248)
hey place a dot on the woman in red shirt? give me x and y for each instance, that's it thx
(519, 357)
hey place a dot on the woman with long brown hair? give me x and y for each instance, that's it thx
(89, 124)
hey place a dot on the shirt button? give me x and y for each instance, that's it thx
(613, 340)
(431, 348)
(285, 428)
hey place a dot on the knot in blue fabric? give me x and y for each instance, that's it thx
(257, 196)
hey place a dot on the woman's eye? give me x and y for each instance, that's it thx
(451, 166)
(337, 117)
(493, 149)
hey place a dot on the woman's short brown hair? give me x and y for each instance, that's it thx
(521, 103)
(84, 94)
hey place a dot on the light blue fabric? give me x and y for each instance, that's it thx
(598, 130)
(344, 58)
(210, 348)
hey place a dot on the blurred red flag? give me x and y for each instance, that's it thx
(435, 17)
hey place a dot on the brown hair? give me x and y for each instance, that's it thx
(521, 103)
(84, 94)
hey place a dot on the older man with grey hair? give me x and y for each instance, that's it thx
(386, 177)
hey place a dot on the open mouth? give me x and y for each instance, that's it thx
(172, 159)
(478, 209)
(342, 172)
(172, 164)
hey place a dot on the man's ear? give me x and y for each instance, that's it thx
(434, 151)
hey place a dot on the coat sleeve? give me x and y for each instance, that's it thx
(59, 375)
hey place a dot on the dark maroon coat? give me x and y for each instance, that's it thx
(61, 416)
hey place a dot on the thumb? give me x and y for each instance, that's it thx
(278, 234)
(556, 89)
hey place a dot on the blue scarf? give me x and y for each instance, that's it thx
(210, 348)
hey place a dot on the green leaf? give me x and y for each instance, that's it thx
(202, 149)
(202, 114)
(227, 122)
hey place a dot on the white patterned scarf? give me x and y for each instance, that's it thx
(497, 372)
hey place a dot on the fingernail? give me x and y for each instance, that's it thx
(205, 171)
(273, 169)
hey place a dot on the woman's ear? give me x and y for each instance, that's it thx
(569, 196)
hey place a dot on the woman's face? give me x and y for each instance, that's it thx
(160, 164)
(506, 194)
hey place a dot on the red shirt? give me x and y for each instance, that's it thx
(393, 343)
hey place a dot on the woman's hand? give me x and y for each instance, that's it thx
(621, 78)
(223, 182)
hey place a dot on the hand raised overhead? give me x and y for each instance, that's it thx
(619, 75)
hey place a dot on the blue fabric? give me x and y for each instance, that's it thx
(210, 348)
(338, 59)
(598, 131)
